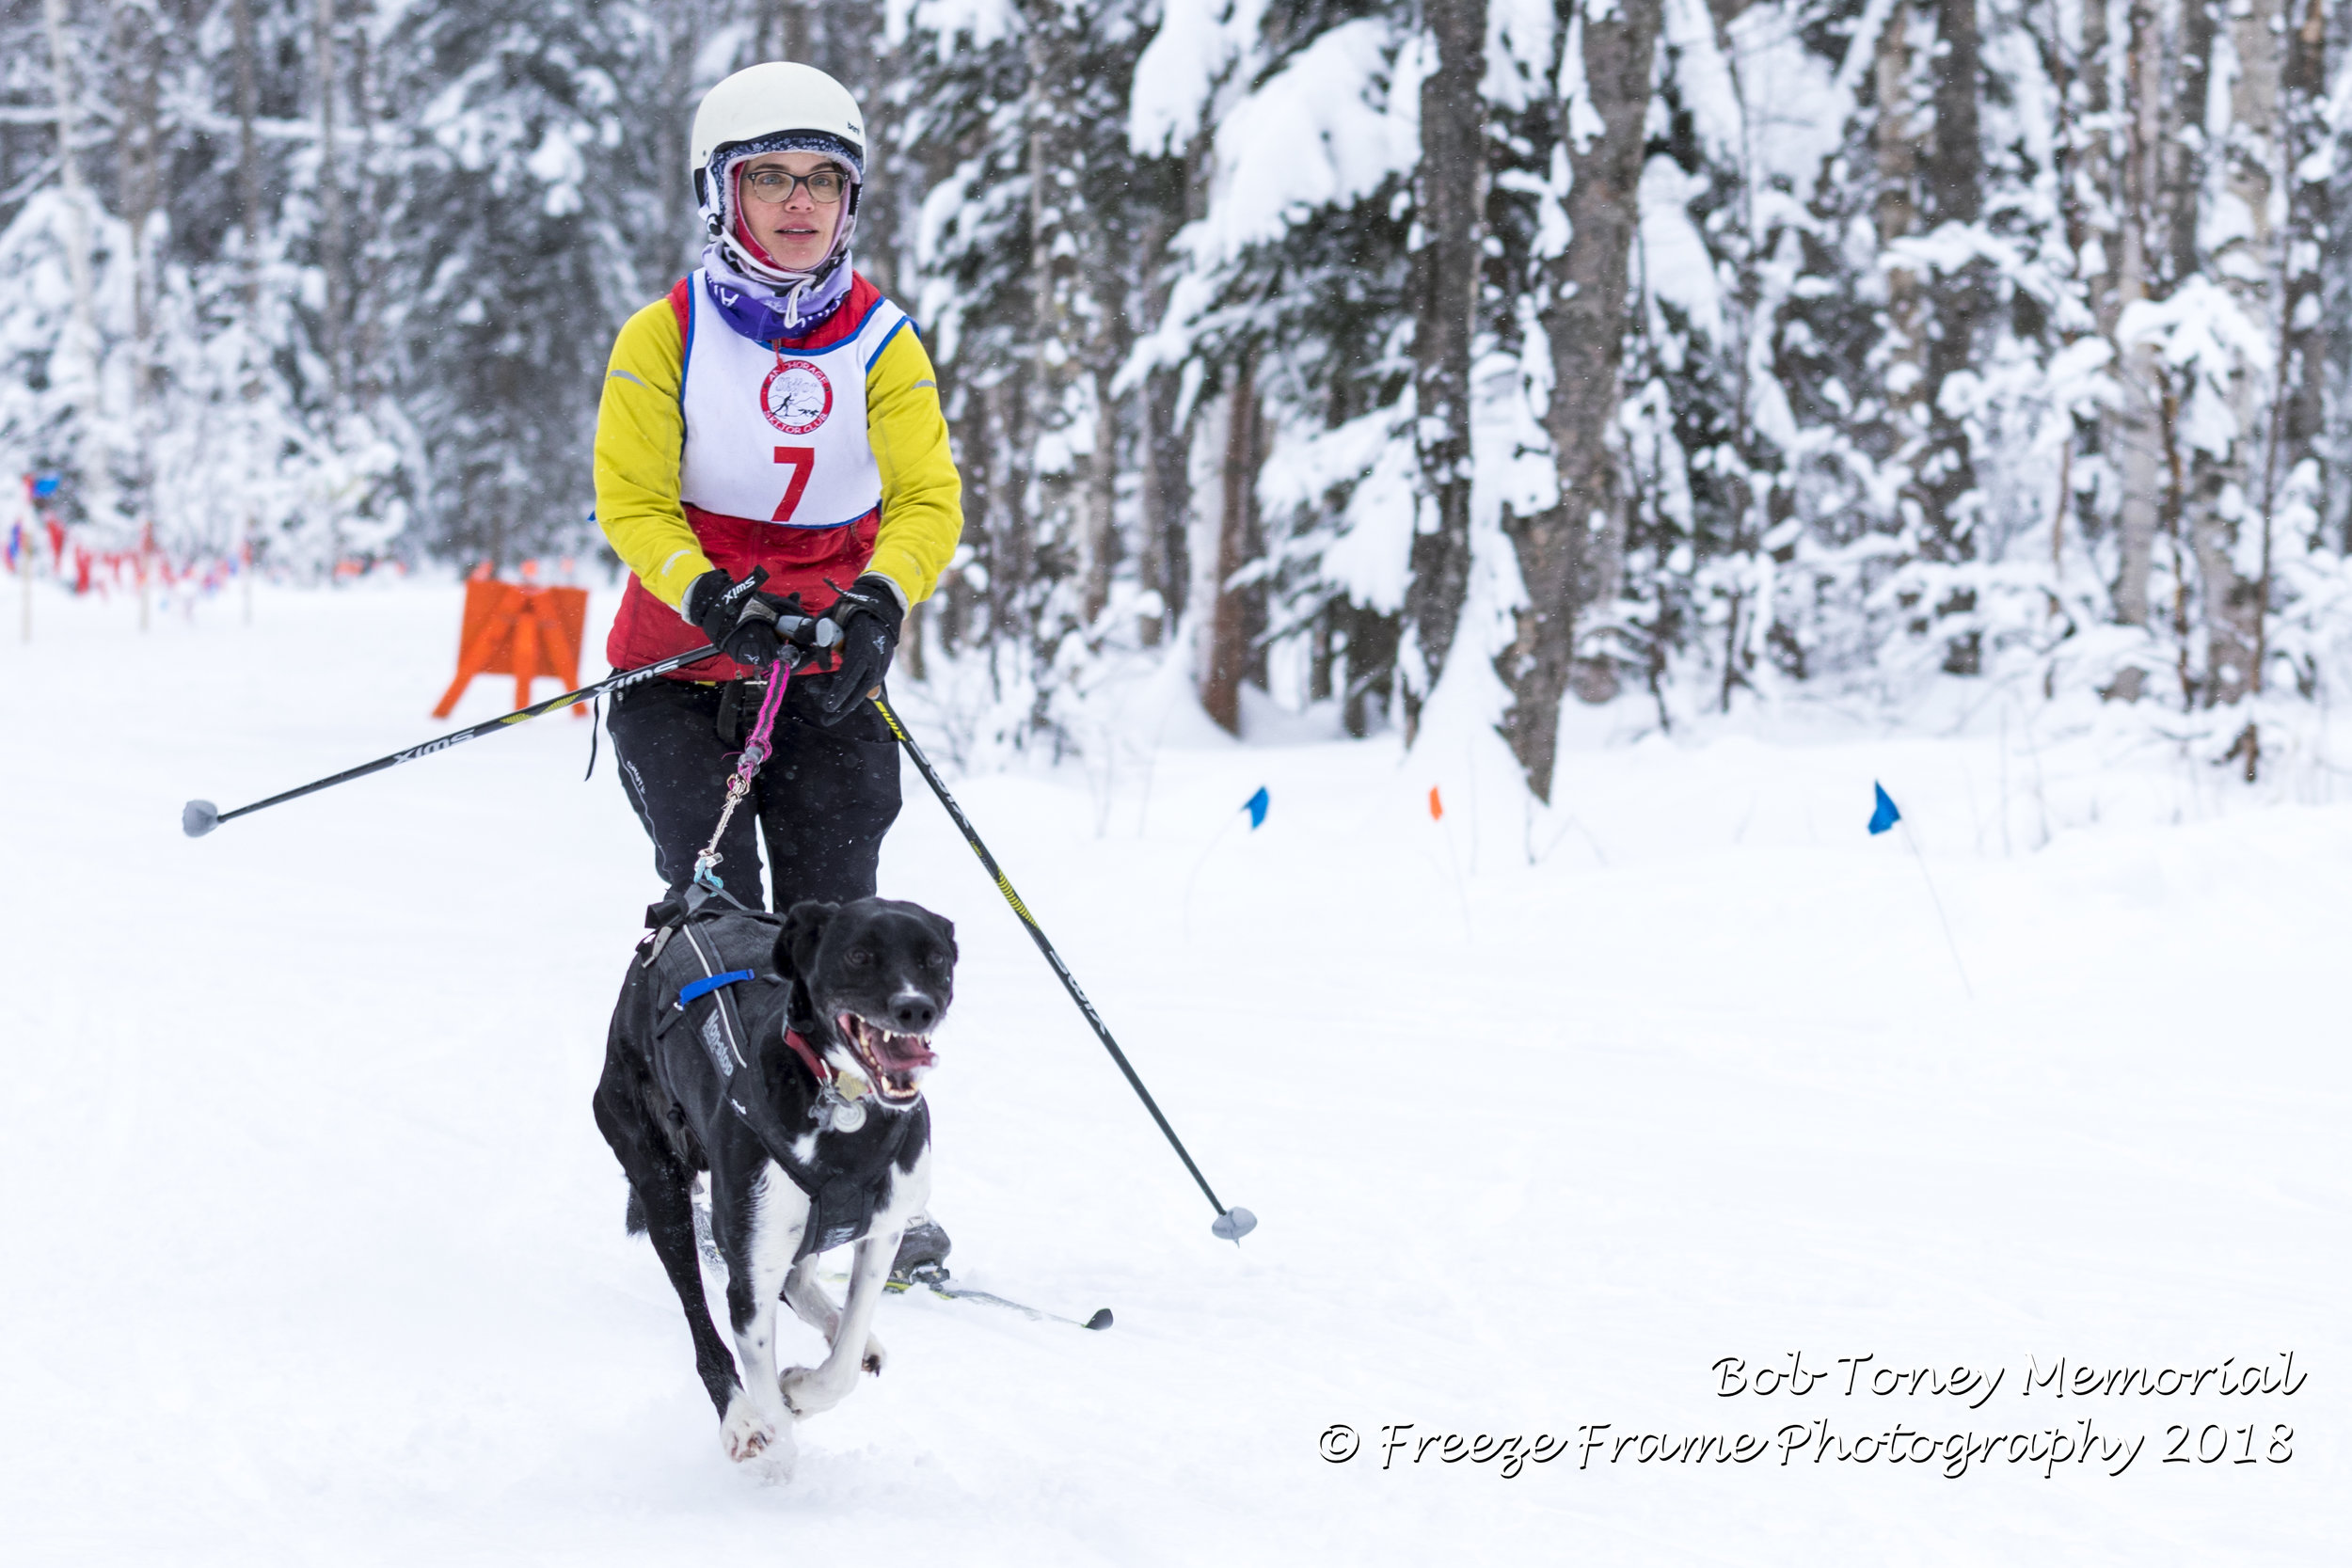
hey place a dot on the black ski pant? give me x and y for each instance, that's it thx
(823, 799)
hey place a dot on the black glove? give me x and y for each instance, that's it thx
(739, 619)
(870, 617)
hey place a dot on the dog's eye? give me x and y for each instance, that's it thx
(935, 959)
(861, 958)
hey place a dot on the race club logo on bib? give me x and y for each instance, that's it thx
(796, 397)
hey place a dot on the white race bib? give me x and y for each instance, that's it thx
(780, 435)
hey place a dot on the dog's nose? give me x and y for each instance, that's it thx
(914, 1013)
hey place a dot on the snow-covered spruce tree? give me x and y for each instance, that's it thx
(514, 262)
(1036, 248)
(1848, 439)
(163, 361)
(1288, 328)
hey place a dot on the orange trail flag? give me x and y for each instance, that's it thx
(1436, 807)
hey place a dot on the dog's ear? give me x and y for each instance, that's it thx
(803, 930)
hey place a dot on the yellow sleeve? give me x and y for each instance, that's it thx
(640, 433)
(922, 505)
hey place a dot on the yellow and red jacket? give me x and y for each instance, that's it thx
(667, 544)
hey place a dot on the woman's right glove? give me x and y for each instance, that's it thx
(739, 619)
(870, 618)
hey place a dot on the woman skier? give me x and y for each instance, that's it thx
(773, 412)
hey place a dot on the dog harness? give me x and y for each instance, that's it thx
(712, 964)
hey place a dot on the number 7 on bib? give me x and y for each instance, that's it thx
(803, 461)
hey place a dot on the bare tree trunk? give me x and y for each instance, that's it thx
(1449, 194)
(138, 179)
(248, 165)
(2108, 215)
(82, 351)
(1013, 566)
(2095, 185)
(2078, 203)
(1102, 538)
(2221, 500)
(2195, 478)
(784, 30)
(2300, 79)
(1323, 652)
(1167, 503)
(2303, 367)
(249, 228)
(1946, 482)
(2184, 161)
(968, 610)
(1166, 441)
(673, 132)
(361, 272)
(1955, 191)
(1571, 556)
(878, 223)
(1041, 251)
(1895, 212)
(330, 220)
(137, 51)
(1372, 648)
(1230, 650)
(2139, 438)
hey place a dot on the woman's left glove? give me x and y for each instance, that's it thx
(870, 617)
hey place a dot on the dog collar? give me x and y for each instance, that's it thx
(840, 1096)
(808, 1056)
(842, 1085)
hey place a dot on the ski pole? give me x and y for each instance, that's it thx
(199, 818)
(1230, 1225)
(792, 628)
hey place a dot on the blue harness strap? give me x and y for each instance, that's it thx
(696, 989)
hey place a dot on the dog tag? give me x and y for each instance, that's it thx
(843, 1116)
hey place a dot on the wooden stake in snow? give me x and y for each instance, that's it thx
(1886, 814)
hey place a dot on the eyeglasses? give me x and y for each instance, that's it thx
(776, 187)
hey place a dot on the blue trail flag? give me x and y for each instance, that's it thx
(1886, 815)
(1256, 806)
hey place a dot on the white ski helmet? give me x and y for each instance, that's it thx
(764, 102)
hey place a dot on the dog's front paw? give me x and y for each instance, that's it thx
(875, 1357)
(752, 1437)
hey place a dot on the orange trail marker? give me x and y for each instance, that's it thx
(1436, 807)
(513, 629)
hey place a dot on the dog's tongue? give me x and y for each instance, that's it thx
(892, 1052)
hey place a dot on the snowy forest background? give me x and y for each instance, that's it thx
(1695, 352)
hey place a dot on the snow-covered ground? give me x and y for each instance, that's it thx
(314, 1255)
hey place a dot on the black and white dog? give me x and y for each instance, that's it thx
(784, 1057)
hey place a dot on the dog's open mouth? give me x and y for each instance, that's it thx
(895, 1062)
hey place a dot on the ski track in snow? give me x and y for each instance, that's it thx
(316, 1254)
